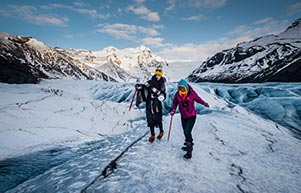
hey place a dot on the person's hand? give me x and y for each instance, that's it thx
(161, 97)
(207, 105)
(154, 89)
(138, 86)
(172, 113)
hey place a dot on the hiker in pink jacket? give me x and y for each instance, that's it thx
(185, 98)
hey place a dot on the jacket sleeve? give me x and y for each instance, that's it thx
(175, 103)
(147, 84)
(197, 98)
(163, 88)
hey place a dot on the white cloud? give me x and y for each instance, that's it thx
(262, 27)
(79, 8)
(199, 52)
(73, 36)
(171, 5)
(128, 32)
(141, 10)
(206, 3)
(144, 12)
(119, 30)
(152, 16)
(139, 1)
(92, 12)
(31, 14)
(47, 19)
(263, 21)
(295, 8)
(148, 30)
(120, 11)
(155, 42)
(271, 27)
(42, 15)
(195, 18)
(194, 4)
(79, 4)
(55, 6)
(238, 30)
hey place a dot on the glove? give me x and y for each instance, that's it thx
(207, 105)
(155, 90)
(161, 97)
(138, 86)
(172, 113)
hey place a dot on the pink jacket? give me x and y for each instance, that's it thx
(186, 106)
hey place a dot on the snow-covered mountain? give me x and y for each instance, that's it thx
(126, 65)
(26, 60)
(274, 58)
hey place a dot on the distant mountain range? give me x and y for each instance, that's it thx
(268, 58)
(27, 60)
(272, 58)
(127, 65)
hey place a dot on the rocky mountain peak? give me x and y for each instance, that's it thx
(110, 49)
(295, 25)
(293, 31)
(268, 58)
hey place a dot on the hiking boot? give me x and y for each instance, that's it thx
(151, 138)
(160, 135)
(184, 148)
(188, 155)
(185, 143)
(189, 150)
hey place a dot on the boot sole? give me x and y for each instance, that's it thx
(187, 157)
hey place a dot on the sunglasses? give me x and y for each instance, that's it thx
(182, 88)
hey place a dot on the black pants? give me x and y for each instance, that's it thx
(187, 124)
(152, 128)
(154, 114)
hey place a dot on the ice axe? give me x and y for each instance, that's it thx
(170, 124)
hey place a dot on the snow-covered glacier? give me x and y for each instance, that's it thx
(280, 102)
(79, 136)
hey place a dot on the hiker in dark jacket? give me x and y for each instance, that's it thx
(155, 94)
(185, 98)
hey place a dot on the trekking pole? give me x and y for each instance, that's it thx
(133, 99)
(169, 127)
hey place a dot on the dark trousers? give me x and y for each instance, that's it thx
(152, 128)
(187, 124)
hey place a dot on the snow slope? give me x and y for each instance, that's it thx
(62, 135)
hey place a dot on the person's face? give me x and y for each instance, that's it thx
(182, 88)
(158, 77)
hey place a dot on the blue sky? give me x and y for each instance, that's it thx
(173, 29)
